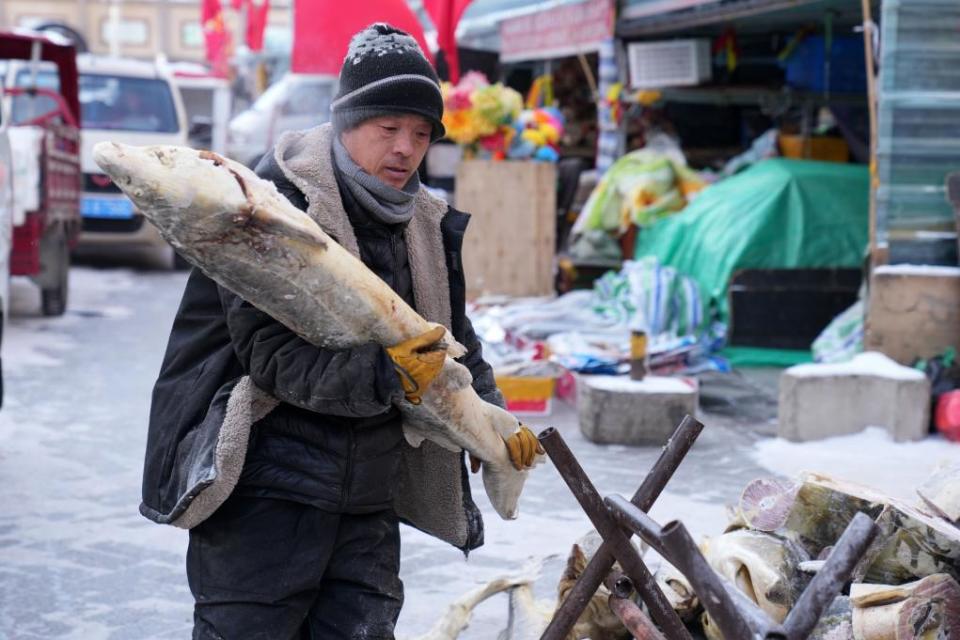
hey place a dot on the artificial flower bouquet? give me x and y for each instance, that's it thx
(488, 121)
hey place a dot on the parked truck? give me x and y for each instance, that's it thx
(44, 133)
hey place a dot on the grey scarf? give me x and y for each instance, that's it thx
(385, 203)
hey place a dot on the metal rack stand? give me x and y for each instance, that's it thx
(616, 519)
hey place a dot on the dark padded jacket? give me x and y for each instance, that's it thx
(333, 441)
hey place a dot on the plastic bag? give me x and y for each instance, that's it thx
(843, 337)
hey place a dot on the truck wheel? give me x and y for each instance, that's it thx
(53, 296)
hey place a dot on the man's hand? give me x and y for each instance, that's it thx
(522, 447)
(418, 361)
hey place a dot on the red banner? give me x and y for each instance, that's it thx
(446, 16)
(257, 11)
(557, 32)
(322, 30)
(216, 38)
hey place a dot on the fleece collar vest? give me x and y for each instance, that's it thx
(432, 492)
(306, 159)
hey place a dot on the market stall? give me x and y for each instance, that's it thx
(708, 90)
(541, 122)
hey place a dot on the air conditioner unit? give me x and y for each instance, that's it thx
(668, 63)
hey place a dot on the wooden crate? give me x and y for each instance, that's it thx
(914, 312)
(509, 246)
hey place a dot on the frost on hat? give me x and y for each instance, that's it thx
(385, 72)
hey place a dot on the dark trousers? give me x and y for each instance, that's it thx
(281, 570)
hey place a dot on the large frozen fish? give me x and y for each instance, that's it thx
(242, 233)
(763, 566)
(459, 613)
(941, 493)
(528, 617)
(676, 587)
(928, 609)
(816, 510)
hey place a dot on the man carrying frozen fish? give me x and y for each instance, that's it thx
(307, 543)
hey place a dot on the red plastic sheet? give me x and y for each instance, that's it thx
(446, 15)
(322, 30)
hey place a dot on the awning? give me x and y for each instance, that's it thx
(480, 26)
(558, 31)
(633, 9)
(698, 18)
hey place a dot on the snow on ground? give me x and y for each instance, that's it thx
(917, 270)
(870, 458)
(870, 363)
(32, 340)
(77, 560)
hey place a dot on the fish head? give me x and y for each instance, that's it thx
(163, 181)
(196, 197)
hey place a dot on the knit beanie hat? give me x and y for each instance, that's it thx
(385, 72)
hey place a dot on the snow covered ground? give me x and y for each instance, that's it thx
(77, 561)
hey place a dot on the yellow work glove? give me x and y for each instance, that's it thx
(418, 361)
(522, 447)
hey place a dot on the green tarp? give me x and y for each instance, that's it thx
(778, 214)
(740, 357)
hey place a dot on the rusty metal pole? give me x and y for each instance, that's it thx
(828, 582)
(660, 474)
(618, 584)
(634, 619)
(637, 521)
(591, 502)
(734, 615)
(733, 621)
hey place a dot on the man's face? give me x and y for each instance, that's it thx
(389, 147)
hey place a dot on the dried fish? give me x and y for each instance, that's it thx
(678, 591)
(911, 544)
(928, 609)
(941, 493)
(763, 566)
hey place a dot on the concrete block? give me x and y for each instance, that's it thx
(825, 400)
(617, 410)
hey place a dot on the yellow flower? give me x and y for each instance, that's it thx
(550, 133)
(460, 126)
(481, 112)
(535, 137)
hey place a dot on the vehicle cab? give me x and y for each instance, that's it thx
(121, 100)
(130, 102)
(41, 113)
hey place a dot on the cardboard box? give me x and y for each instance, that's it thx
(825, 148)
(509, 248)
(913, 312)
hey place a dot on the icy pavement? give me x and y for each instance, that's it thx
(77, 561)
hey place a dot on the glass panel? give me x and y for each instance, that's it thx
(127, 104)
